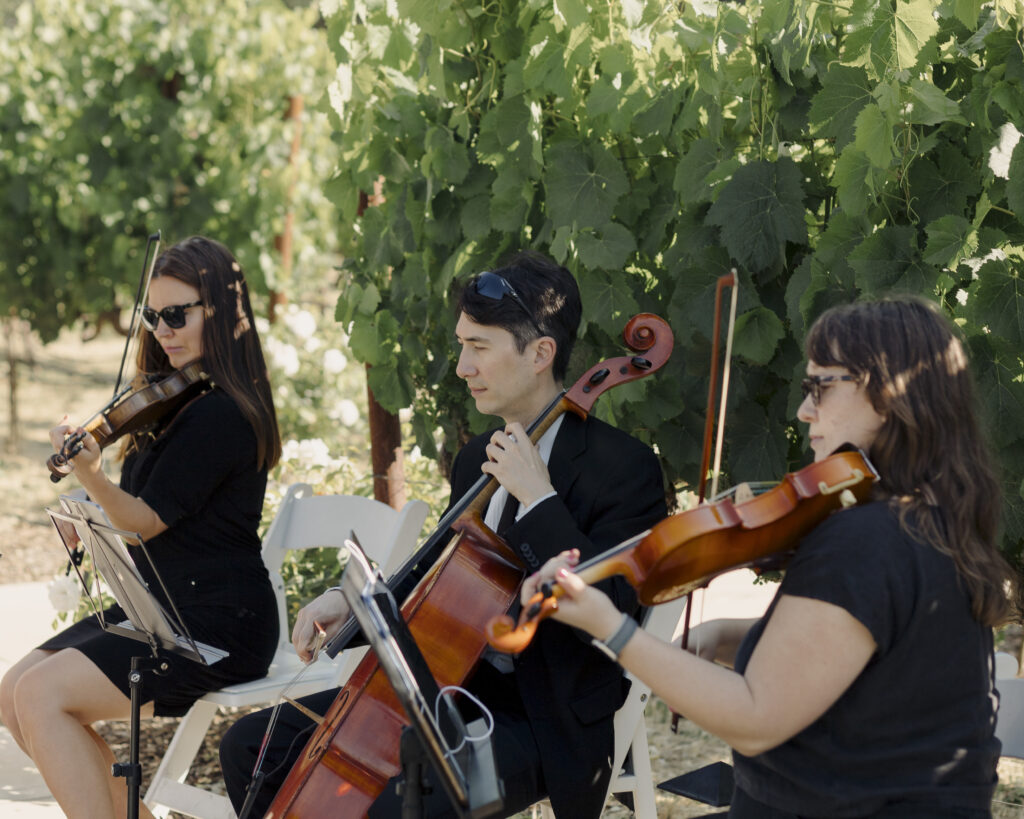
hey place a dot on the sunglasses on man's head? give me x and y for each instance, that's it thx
(496, 287)
(812, 385)
(173, 316)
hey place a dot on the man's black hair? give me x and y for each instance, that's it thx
(547, 289)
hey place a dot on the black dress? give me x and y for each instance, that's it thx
(200, 477)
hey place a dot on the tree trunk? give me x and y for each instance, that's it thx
(283, 241)
(386, 454)
(13, 432)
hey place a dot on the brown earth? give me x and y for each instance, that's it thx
(75, 377)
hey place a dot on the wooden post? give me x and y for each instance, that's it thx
(13, 432)
(283, 241)
(386, 455)
(385, 429)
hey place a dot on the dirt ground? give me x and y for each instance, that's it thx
(75, 377)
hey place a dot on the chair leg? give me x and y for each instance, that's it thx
(644, 806)
(181, 751)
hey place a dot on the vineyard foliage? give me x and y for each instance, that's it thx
(122, 117)
(825, 150)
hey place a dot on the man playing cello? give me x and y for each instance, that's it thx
(584, 483)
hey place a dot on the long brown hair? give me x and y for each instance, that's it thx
(232, 355)
(935, 465)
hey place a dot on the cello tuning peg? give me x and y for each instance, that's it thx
(641, 363)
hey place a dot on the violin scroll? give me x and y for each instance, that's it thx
(504, 634)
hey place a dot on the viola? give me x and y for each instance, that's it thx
(355, 750)
(133, 410)
(685, 551)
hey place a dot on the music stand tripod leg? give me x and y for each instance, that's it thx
(132, 770)
(414, 766)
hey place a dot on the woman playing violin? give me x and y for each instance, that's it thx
(867, 687)
(193, 489)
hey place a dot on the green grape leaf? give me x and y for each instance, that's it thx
(760, 210)
(758, 333)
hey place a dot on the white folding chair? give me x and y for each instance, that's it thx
(303, 521)
(1010, 718)
(631, 763)
(632, 760)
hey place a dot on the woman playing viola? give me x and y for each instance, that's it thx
(867, 689)
(193, 489)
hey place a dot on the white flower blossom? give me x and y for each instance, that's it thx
(334, 361)
(300, 322)
(284, 356)
(310, 452)
(346, 411)
(999, 156)
(64, 593)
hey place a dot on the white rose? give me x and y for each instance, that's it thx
(64, 593)
(301, 322)
(314, 452)
(284, 356)
(347, 412)
(334, 361)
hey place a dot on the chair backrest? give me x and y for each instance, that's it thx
(305, 520)
(665, 622)
(1010, 717)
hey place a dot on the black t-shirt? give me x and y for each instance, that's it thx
(917, 726)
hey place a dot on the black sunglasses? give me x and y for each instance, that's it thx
(812, 385)
(173, 316)
(493, 286)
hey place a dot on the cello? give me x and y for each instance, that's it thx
(353, 753)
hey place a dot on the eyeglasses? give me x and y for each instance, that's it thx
(812, 385)
(173, 316)
(493, 286)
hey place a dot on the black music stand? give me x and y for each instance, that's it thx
(467, 771)
(148, 621)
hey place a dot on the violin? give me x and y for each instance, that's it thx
(685, 551)
(132, 411)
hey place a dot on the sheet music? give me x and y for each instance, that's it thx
(148, 621)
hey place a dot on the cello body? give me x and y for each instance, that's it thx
(355, 751)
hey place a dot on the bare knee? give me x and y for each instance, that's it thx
(8, 714)
(10, 686)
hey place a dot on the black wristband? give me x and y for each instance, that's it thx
(613, 645)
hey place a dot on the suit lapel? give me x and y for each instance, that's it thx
(570, 445)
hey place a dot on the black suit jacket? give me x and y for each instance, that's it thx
(609, 488)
